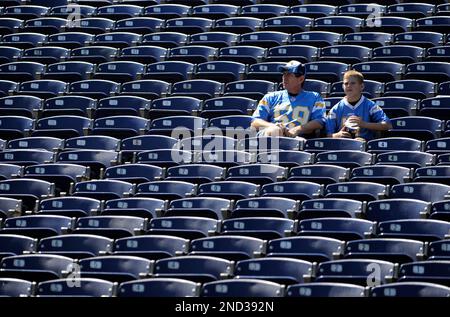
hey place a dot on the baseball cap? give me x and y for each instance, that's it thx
(294, 67)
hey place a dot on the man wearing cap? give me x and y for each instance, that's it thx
(290, 112)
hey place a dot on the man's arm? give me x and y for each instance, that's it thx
(307, 128)
(261, 124)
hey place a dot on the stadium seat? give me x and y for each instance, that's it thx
(410, 289)
(143, 54)
(397, 208)
(188, 25)
(114, 227)
(298, 190)
(92, 142)
(89, 287)
(434, 174)
(121, 105)
(227, 105)
(23, 40)
(404, 54)
(222, 71)
(316, 38)
(165, 39)
(425, 271)
(164, 157)
(16, 245)
(95, 159)
(408, 159)
(21, 71)
(242, 54)
(341, 24)
(167, 11)
(37, 226)
(264, 207)
(323, 289)
(45, 25)
(430, 192)
(42, 88)
(250, 88)
(338, 228)
(70, 40)
(285, 53)
(120, 127)
(102, 189)
(215, 11)
(139, 25)
(213, 39)
(410, 10)
(239, 25)
(362, 191)
(195, 54)
(322, 174)
(416, 229)
(195, 173)
(380, 71)
(435, 107)
(160, 287)
(170, 71)
(168, 190)
(438, 250)
(15, 287)
(242, 287)
(368, 39)
(68, 206)
(291, 24)
(383, 174)
(94, 54)
(419, 38)
(121, 71)
(421, 128)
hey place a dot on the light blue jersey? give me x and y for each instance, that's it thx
(366, 109)
(279, 107)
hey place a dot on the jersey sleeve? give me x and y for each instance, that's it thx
(319, 110)
(262, 111)
(377, 114)
(331, 125)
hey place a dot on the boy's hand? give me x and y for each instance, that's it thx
(342, 134)
(357, 120)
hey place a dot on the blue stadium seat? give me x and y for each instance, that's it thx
(69, 71)
(433, 71)
(133, 173)
(25, 157)
(192, 54)
(213, 39)
(330, 144)
(228, 190)
(222, 71)
(114, 227)
(95, 159)
(119, 11)
(25, 106)
(285, 53)
(266, 144)
(68, 105)
(234, 124)
(169, 71)
(404, 54)
(167, 11)
(438, 250)
(433, 24)
(420, 38)
(425, 271)
(316, 38)
(392, 250)
(325, 290)
(338, 228)
(120, 127)
(188, 25)
(380, 71)
(390, 24)
(355, 271)
(145, 143)
(298, 190)
(16, 245)
(256, 173)
(227, 105)
(250, 88)
(137, 207)
(242, 54)
(94, 88)
(383, 174)
(278, 270)
(92, 142)
(70, 40)
(151, 247)
(417, 229)
(393, 144)
(444, 88)
(311, 248)
(239, 25)
(265, 71)
(344, 158)
(164, 157)
(362, 191)
(329, 71)
(42, 88)
(24, 40)
(313, 10)
(438, 53)
(197, 88)
(439, 210)
(200, 269)
(116, 268)
(15, 287)
(232, 248)
(410, 289)
(396, 106)
(121, 105)
(421, 128)
(37, 226)
(35, 267)
(89, 287)
(8, 171)
(411, 10)
(329, 207)
(263, 11)
(10, 207)
(430, 192)
(25, 12)
(264, 207)
(10, 25)
(168, 190)
(187, 227)
(76, 246)
(211, 207)
(345, 53)
(59, 174)
(341, 24)
(102, 189)
(143, 54)
(435, 107)
(146, 88)
(177, 126)
(21, 71)
(215, 11)
(94, 54)
(242, 288)
(64, 11)
(266, 228)
(68, 206)
(225, 158)
(9, 54)
(7, 87)
(120, 71)
(368, 39)
(438, 146)
(434, 174)
(322, 174)
(165, 39)
(361, 10)
(413, 88)
(62, 126)
(117, 39)
(91, 25)
(45, 25)
(409, 159)
(195, 173)
(158, 287)
(288, 24)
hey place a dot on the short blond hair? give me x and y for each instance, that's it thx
(355, 74)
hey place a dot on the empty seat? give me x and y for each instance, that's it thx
(145, 143)
(69, 71)
(241, 287)
(70, 40)
(12, 127)
(167, 10)
(9, 54)
(160, 287)
(164, 157)
(438, 53)
(396, 106)
(363, 191)
(368, 39)
(169, 71)
(418, 89)
(345, 53)
(118, 11)
(338, 228)
(390, 24)
(341, 24)
(285, 53)
(68, 206)
(26, 106)
(410, 289)
(438, 146)
(228, 190)
(417, 229)
(9, 171)
(215, 11)
(229, 247)
(393, 144)
(120, 71)
(316, 38)
(299, 190)
(394, 209)
(16, 245)
(430, 192)
(313, 10)
(15, 287)
(355, 271)
(382, 174)
(318, 173)
(92, 25)
(75, 246)
(47, 25)
(322, 289)
(289, 24)
(393, 250)
(102, 189)
(419, 38)
(197, 88)
(222, 71)
(267, 144)
(26, 157)
(165, 39)
(404, 54)
(195, 173)
(344, 158)
(361, 10)
(264, 207)
(411, 10)
(238, 25)
(242, 54)
(178, 126)
(120, 126)
(95, 159)
(88, 287)
(42, 88)
(435, 107)
(9, 25)
(121, 105)
(24, 40)
(187, 227)
(213, 39)
(143, 54)
(168, 190)
(435, 174)
(35, 267)
(329, 71)
(94, 54)
(380, 71)
(409, 159)
(188, 25)
(438, 250)
(433, 24)
(114, 227)
(192, 54)
(425, 271)
(92, 142)
(133, 173)
(329, 207)
(21, 71)
(211, 207)
(256, 173)
(254, 89)
(37, 226)
(258, 227)
(227, 158)
(421, 128)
